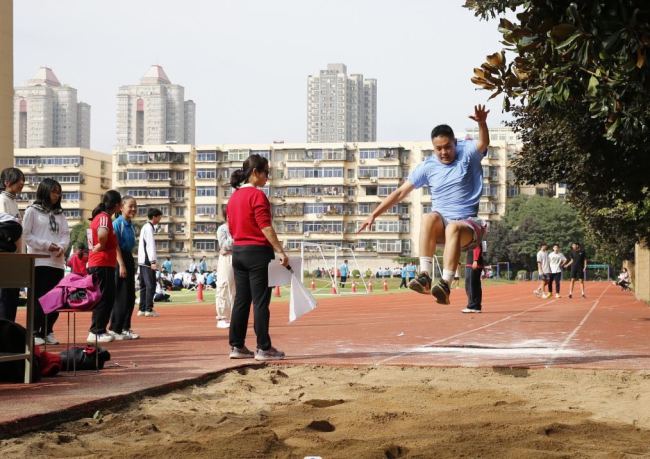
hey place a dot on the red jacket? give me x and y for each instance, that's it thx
(248, 212)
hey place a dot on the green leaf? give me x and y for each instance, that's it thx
(592, 89)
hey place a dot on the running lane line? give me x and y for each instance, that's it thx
(568, 339)
(466, 332)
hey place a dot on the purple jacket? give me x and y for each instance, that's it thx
(58, 297)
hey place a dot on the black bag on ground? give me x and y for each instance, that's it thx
(12, 340)
(83, 358)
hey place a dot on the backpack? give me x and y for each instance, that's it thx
(84, 358)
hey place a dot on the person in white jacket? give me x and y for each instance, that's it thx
(147, 258)
(45, 232)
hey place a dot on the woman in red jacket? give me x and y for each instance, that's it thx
(78, 261)
(249, 221)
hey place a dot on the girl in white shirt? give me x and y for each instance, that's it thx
(11, 183)
(45, 232)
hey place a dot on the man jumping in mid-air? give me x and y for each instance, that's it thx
(454, 176)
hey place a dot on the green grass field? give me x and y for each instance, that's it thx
(323, 290)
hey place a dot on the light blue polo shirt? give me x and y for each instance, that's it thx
(455, 188)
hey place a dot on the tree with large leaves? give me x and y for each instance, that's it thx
(579, 90)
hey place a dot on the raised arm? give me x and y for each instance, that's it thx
(480, 116)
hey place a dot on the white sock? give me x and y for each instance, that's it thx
(426, 264)
(447, 275)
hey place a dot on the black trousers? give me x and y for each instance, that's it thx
(403, 284)
(147, 279)
(102, 312)
(473, 288)
(9, 303)
(124, 296)
(46, 279)
(554, 278)
(250, 263)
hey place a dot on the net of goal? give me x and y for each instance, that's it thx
(322, 268)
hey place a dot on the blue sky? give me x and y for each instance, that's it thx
(245, 62)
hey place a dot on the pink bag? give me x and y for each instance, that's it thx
(74, 291)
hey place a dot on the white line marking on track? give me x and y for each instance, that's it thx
(442, 340)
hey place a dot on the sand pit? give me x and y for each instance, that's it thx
(297, 411)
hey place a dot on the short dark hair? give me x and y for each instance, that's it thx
(153, 212)
(443, 130)
(11, 175)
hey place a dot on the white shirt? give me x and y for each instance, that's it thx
(556, 260)
(147, 244)
(38, 234)
(542, 258)
(8, 205)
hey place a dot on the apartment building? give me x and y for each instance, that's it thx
(84, 176)
(319, 192)
(341, 108)
(47, 114)
(154, 111)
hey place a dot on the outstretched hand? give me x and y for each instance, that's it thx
(480, 114)
(366, 224)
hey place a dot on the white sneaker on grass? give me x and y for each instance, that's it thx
(51, 339)
(101, 338)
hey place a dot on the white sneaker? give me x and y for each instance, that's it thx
(471, 311)
(557, 295)
(117, 336)
(141, 313)
(38, 341)
(51, 339)
(101, 338)
(151, 314)
(222, 323)
(130, 334)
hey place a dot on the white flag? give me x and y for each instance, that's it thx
(301, 301)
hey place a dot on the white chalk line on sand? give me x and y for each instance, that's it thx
(466, 332)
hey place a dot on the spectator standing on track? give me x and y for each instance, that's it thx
(249, 221)
(225, 281)
(473, 270)
(556, 261)
(46, 232)
(120, 327)
(147, 261)
(544, 270)
(11, 183)
(344, 269)
(192, 268)
(578, 263)
(102, 260)
(411, 269)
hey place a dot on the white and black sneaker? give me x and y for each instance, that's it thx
(241, 353)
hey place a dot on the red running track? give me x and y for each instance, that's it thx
(607, 330)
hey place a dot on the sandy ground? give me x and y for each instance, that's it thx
(386, 412)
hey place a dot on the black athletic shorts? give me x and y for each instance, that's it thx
(578, 273)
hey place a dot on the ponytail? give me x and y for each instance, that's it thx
(252, 163)
(110, 200)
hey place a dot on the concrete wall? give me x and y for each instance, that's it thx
(6, 83)
(642, 271)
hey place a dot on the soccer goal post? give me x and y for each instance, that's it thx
(321, 269)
